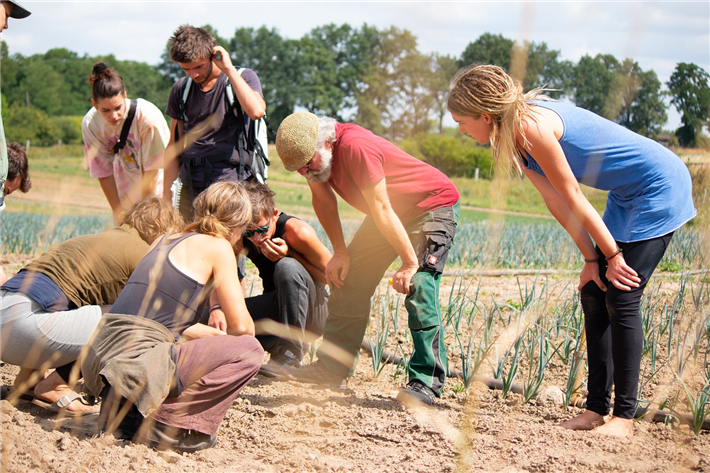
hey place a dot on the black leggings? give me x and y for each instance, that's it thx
(614, 331)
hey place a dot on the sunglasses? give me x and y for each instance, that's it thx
(258, 230)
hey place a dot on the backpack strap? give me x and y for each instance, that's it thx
(182, 107)
(126, 128)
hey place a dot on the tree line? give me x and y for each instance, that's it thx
(375, 77)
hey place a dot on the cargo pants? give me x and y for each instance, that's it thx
(431, 234)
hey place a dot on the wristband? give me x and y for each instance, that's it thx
(290, 252)
(593, 260)
(614, 254)
(215, 307)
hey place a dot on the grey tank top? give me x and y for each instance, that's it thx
(159, 291)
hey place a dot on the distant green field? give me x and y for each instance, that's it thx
(517, 233)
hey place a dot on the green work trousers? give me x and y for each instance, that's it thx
(371, 254)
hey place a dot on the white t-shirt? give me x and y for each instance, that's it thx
(147, 139)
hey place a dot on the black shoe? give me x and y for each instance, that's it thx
(317, 373)
(278, 365)
(416, 394)
(7, 392)
(166, 437)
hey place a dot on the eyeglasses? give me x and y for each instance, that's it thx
(258, 230)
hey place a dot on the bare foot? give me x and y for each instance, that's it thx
(587, 420)
(617, 427)
(53, 387)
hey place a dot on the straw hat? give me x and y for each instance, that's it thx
(297, 139)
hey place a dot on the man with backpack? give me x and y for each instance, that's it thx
(211, 111)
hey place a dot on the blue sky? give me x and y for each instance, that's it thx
(657, 35)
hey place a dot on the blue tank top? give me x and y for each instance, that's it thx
(159, 291)
(650, 190)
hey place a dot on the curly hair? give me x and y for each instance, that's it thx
(190, 44)
(221, 209)
(478, 89)
(18, 165)
(153, 217)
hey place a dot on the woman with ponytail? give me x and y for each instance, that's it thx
(558, 147)
(154, 390)
(131, 170)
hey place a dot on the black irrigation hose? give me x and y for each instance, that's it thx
(652, 414)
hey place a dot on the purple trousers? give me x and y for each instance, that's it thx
(213, 370)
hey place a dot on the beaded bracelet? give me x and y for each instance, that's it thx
(215, 307)
(614, 255)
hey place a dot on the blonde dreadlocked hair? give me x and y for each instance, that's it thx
(478, 89)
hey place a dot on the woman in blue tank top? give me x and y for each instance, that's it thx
(558, 146)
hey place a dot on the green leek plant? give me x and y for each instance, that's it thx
(381, 334)
(538, 354)
(699, 405)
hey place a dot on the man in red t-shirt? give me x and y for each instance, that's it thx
(412, 210)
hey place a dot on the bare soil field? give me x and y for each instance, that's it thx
(284, 426)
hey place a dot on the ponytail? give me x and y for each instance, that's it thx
(221, 209)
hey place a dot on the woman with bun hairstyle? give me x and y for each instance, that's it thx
(129, 173)
(154, 390)
(558, 147)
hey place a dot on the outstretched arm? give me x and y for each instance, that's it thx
(228, 290)
(391, 227)
(108, 185)
(325, 205)
(569, 203)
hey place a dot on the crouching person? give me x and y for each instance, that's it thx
(156, 391)
(291, 261)
(50, 309)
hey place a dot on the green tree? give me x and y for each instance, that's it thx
(380, 97)
(276, 62)
(592, 82)
(546, 69)
(533, 64)
(489, 48)
(143, 81)
(444, 69)
(29, 123)
(641, 105)
(689, 89)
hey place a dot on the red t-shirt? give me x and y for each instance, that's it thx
(361, 158)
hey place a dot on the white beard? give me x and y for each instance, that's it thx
(326, 166)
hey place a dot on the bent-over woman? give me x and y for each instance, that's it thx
(129, 170)
(559, 146)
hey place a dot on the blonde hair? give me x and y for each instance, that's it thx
(152, 217)
(220, 209)
(478, 89)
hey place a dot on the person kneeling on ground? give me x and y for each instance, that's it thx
(291, 261)
(51, 307)
(156, 391)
